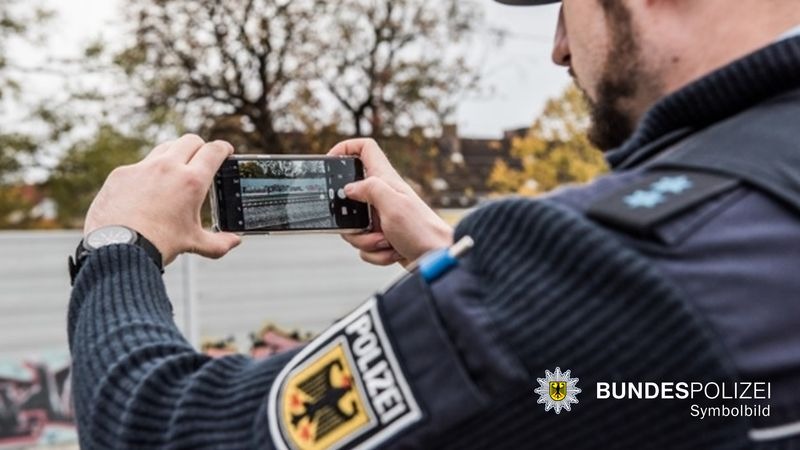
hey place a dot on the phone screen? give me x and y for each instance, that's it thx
(288, 194)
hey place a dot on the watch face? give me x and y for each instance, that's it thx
(114, 234)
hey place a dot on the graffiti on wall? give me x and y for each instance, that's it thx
(35, 406)
(35, 401)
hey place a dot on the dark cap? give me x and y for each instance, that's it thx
(527, 2)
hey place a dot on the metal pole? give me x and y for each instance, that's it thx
(190, 324)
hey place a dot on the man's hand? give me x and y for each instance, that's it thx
(160, 197)
(404, 226)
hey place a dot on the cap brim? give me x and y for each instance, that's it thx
(527, 2)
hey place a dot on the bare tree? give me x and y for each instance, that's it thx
(234, 61)
(397, 65)
(260, 69)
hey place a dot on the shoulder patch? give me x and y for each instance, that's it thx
(657, 197)
(346, 389)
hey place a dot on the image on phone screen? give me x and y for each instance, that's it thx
(285, 194)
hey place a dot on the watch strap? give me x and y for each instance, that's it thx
(151, 251)
(75, 263)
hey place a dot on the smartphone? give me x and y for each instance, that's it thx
(265, 194)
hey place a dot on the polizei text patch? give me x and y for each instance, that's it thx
(344, 390)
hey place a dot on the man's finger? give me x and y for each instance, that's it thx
(375, 161)
(159, 150)
(370, 242)
(382, 258)
(373, 190)
(210, 157)
(215, 245)
(355, 147)
(184, 148)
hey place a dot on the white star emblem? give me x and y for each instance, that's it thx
(568, 391)
(673, 185)
(644, 199)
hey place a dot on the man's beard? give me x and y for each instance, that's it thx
(613, 119)
(611, 125)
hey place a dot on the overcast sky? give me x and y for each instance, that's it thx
(518, 78)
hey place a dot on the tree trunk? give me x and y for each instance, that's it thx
(357, 122)
(269, 139)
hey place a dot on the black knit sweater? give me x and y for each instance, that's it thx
(558, 289)
(564, 293)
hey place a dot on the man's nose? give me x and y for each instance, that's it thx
(561, 53)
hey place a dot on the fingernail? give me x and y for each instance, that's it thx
(348, 189)
(383, 245)
(227, 145)
(396, 256)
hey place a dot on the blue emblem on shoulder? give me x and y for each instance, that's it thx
(656, 195)
(673, 185)
(644, 199)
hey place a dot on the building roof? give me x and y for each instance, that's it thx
(465, 165)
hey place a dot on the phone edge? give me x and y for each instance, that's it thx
(215, 226)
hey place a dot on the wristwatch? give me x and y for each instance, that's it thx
(110, 235)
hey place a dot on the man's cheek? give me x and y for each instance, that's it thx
(586, 83)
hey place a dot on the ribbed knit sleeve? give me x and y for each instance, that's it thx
(565, 293)
(137, 383)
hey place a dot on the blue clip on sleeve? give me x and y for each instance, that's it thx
(436, 263)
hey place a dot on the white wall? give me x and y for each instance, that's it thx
(294, 281)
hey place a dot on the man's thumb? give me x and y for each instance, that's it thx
(373, 190)
(216, 245)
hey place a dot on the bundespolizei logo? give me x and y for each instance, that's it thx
(557, 390)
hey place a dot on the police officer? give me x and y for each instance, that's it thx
(654, 308)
